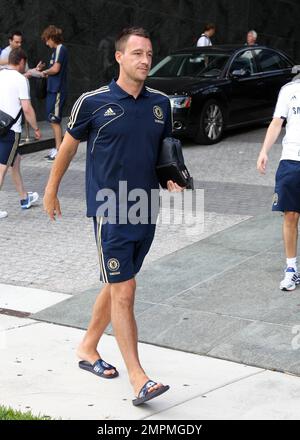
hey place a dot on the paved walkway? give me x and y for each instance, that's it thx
(39, 373)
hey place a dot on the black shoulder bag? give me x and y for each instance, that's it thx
(7, 121)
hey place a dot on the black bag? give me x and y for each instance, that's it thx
(7, 121)
(170, 165)
(41, 88)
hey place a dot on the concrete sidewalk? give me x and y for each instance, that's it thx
(39, 373)
(217, 297)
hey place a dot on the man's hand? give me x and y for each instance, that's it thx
(174, 187)
(37, 134)
(62, 161)
(40, 66)
(51, 205)
(262, 162)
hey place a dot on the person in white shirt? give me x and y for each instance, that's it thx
(287, 186)
(14, 95)
(15, 42)
(205, 39)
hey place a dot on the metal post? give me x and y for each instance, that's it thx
(27, 138)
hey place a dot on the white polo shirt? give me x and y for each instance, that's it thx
(13, 88)
(204, 41)
(4, 56)
(288, 107)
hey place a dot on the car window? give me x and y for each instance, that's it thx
(269, 60)
(194, 65)
(168, 66)
(244, 61)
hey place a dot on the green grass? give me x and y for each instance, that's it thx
(11, 414)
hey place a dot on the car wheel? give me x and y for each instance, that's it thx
(211, 125)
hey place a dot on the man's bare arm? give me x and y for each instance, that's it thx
(29, 113)
(54, 70)
(62, 161)
(4, 62)
(272, 134)
(270, 139)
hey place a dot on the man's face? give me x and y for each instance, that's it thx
(136, 58)
(50, 43)
(211, 32)
(250, 38)
(15, 42)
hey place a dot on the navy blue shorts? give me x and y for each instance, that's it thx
(9, 147)
(121, 249)
(54, 106)
(287, 187)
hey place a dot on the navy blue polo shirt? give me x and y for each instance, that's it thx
(58, 83)
(123, 136)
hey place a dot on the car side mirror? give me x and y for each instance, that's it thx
(239, 73)
(296, 69)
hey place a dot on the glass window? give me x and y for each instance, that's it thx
(244, 61)
(169, 66)
(194, 65)
(269, 60)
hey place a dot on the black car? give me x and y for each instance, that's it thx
(214, 88)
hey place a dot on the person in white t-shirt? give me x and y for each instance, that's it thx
(205, 39)
(14, 95)
(287, 186)
(15, 42)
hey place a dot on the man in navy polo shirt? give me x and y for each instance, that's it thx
(124, 124)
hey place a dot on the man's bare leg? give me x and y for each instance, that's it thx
(17, 177)
(290, 233)
(125, 329)
(87, 349)
(57, 134)
(3, 171)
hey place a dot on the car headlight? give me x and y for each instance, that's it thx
(180, 101)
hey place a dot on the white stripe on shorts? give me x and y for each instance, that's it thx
(100, 250)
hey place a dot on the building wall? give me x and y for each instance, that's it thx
(90, 27)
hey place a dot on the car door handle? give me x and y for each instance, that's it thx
(261, 83)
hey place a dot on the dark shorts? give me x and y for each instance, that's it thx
(121, 249)
(54, 106)
(9, 147)
(287, 187)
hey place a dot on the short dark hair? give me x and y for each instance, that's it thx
(13, 33)
(209, 26)
(54, 33)
(16, 56)
(122, 38)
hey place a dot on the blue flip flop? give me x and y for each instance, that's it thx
(145, 395)
(98, 368)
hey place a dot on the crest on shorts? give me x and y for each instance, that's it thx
(158, 112)
(113, 264)
(275, 199)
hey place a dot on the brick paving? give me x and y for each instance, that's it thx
(62, 256)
